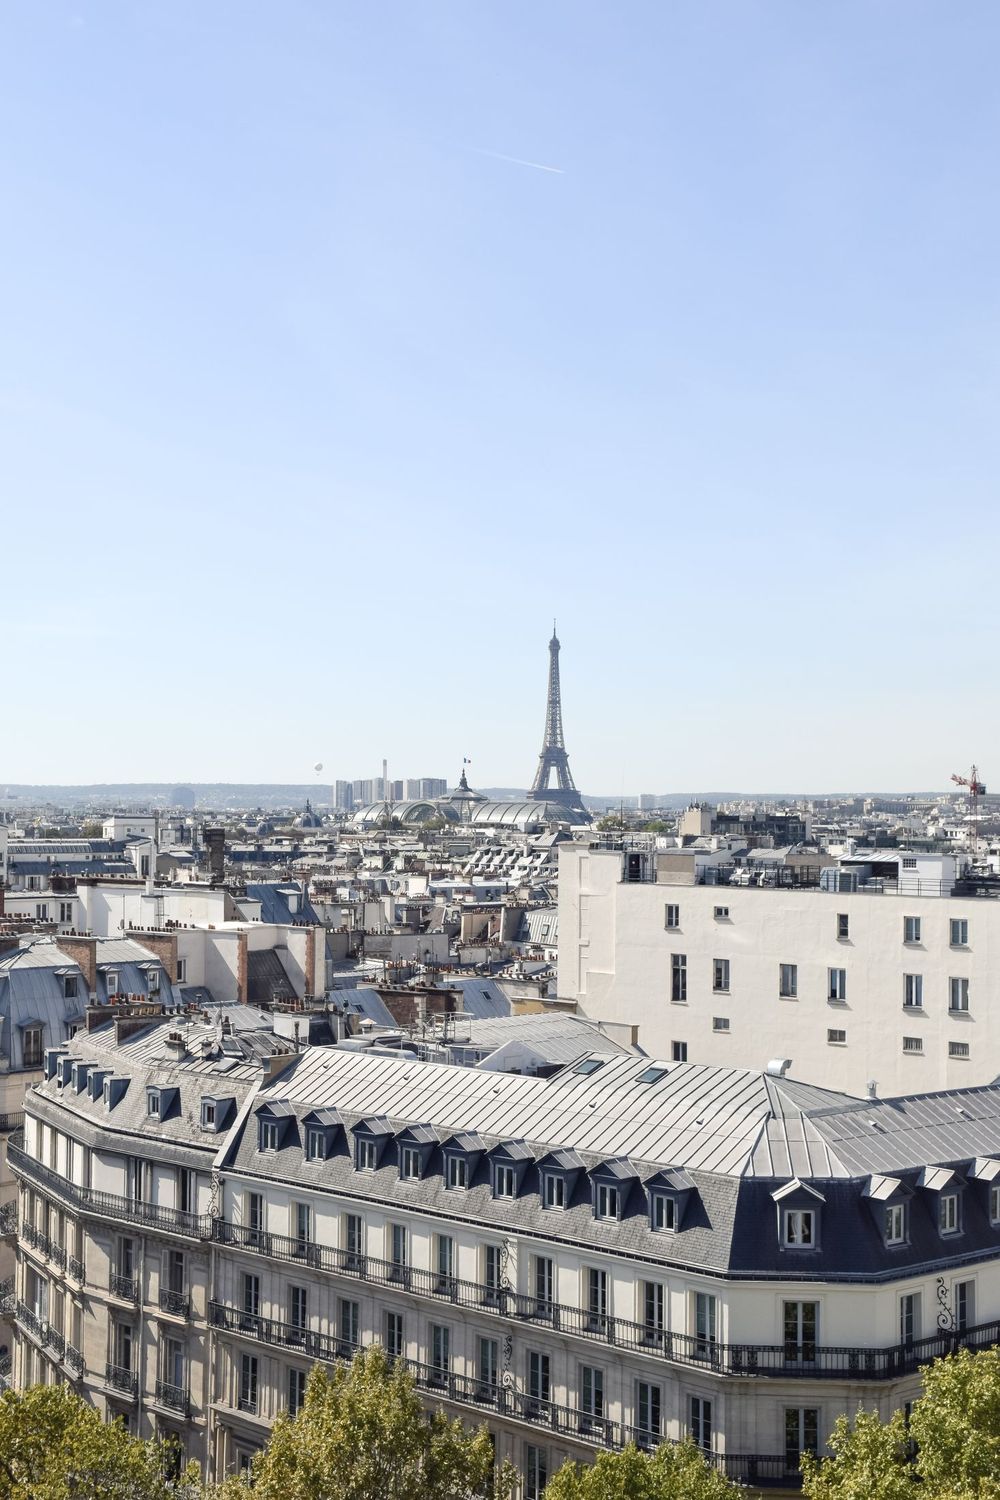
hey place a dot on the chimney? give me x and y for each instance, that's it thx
(83, 951)
(176, 1046)
(215, 843)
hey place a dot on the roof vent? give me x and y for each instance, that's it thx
(778, 1067)
(873, 1088)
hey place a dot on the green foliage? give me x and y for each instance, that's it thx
(676, 1471)
(53, 1446)
(363, 1434)
(610, 823)
(956, 1425)
(870, 1462)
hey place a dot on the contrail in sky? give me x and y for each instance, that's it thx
(517, 160)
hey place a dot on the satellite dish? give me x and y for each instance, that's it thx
(318, 766)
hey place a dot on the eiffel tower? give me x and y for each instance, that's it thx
(553, 756)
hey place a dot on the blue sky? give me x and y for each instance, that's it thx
(313, 412)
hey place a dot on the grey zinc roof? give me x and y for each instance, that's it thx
(560, 1038)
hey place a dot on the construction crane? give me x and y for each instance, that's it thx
(976, 790)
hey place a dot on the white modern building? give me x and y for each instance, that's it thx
(628, 1249)
(883, 969)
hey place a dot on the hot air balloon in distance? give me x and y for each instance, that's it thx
(318, 766)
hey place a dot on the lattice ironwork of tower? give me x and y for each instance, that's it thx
(553, 757)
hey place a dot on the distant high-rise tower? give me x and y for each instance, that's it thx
(553, 756)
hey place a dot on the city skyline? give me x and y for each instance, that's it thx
(292, 316)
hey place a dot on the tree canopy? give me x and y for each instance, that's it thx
(675, 1471)
(53, 1446)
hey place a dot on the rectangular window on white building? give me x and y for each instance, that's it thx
(720, 1023)
(720, 975)
(836, 987)
(965, 1304)
(843, 926)
(788, 981)
(700, 1422)
(913, 991)
(911, 929)
(705, 1324)
(648, 1413)
(836, 1037)
(909, 1318)
(679, 1051)
(801, 1434)
(959, 932)
(671, 917)
(958, 1049)
(958, 994)
(678, 978)
(914, 1044)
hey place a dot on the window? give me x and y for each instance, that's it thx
(302, 1221)
(354, 1240)
(995, 1203)
(255, 1215)
(800, 1228)
(722, 913)
(720, 1023)
(440, 1350)
(909, 863)
(958, 994)
(251, 1294)
(652, 1309)
(895, 1224)
(958, 1049)
(536, 1471)
(539, 1378)
(800, 1323)
(652, 1075)
(31, 1044)
(662, 1212)
(607, 1202)
(365, 1156)
(296, 1391)
(671, 917)
(836, 1037)
(836, 984)
(152, 981)
(700, 1422)
(398, 1246)
(315, 1144)
(182, 965)
(348, 1323)
(843, 926)
(488, 1364)
(911, 929)
(959, 929)
(298, 1307)
(801, 1434)
(705, 1322)
(111, 982)
(788, 981)
(679, 1051)
(41, 911)
(720, 974)
(597, 1298)
(553, 1190)
(543, 1283)
(208, 1114)
(445, 1261)
(409, 1163)
(913, 1044)
(248, 1383)
(678, 978)
(457, 1175)
(909, 1318)
(267, 1135)
(913, 991)
(965, 1304)
(69, 984)
(395, 1344)
(648, 1413)
(504, 1181)
(591, 1391)
(588, 1065)
(492, 1271)
(153, 1103)
(948, 1213)
(66, 915)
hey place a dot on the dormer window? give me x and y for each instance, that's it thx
(69, 987)
(409, 1164)
(995, 1203)
(504, 1181)
(153, 979)
(315, 1144)
(662, 1212)
(895, 1224)
(267, 1135)
(456, 1172)
(365, 1156)
(153, 1103)
(948, 1214)
(208, 1110)
(607, 1201)
(553, 1190)
(799, 1228)
(111, 982)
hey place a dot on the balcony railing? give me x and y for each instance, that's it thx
(178, 1303)
(487, 1395)
(106, 1205)
(74, 1358)
(126, 1287)
(121, 1378)
(174, 1396)
(787, 1361)
(75, 1269)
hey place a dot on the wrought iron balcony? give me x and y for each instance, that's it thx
(588, 1428)
(74, 1358)
(177, 1303)
(122, 1379)
(174, 1396)
(126, 1287)
(103, 1205)
(75, 1269)
(785, 1361)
